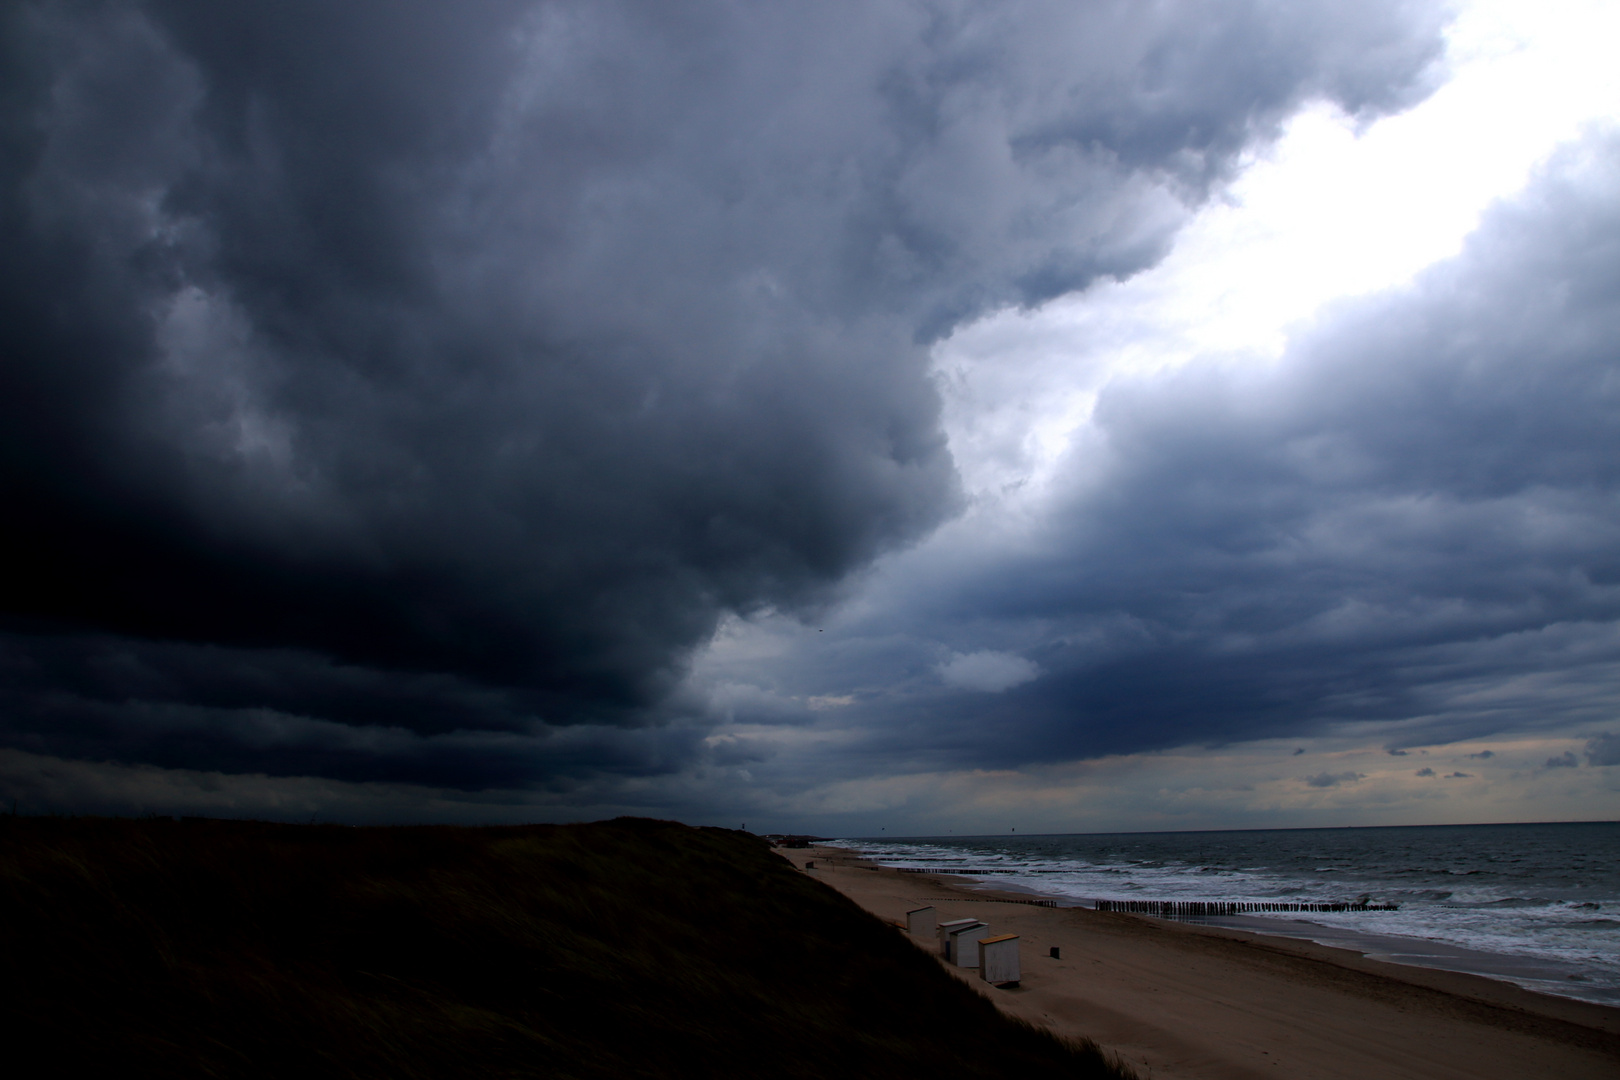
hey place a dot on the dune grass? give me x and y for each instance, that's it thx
(630, 948)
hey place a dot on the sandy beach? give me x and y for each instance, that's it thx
(1181, 1001)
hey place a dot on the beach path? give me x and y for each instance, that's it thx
(1184, 1002)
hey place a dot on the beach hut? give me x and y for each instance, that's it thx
(963, 944)
(946, 928)
(920, 920)
(998, 959)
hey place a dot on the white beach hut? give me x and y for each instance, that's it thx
(963, 942)
(998, 959)
(946, 929)
(920, 920)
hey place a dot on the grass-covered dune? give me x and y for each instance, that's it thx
(621, 949)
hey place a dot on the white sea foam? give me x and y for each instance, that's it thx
(1547, 895)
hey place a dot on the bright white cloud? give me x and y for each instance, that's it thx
(1329, 212)
(988, 671)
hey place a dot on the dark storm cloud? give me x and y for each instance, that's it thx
(1413, 518)
(380, 373)
(1324, 780)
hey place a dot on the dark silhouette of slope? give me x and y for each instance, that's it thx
(630, 948)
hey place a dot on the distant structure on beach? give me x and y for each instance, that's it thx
(920, 921)
(791, 841)
(998, 960)
(959, 941)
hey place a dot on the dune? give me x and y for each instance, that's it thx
(621, 949)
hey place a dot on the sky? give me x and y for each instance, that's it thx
(915, 417)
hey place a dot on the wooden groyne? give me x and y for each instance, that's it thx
(992, 900)
(1172, 909)
(1167, 909)
(970, 871)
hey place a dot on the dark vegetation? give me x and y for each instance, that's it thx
(629, 948)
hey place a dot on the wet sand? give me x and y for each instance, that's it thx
(1553, 977)
(1177, 1000)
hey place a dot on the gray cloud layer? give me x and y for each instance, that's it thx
(1412, 520)
(389, 383)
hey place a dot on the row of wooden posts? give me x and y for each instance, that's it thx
(970, 943)
(1174, 908)
(997, 900)
(976, 872)
(1179, 908)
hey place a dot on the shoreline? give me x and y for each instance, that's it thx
(1536, 975)
(1200, 1001)
(1545, 978)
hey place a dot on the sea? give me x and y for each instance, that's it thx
(1537, 905)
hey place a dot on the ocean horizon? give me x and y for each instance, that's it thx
(1536, 904)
